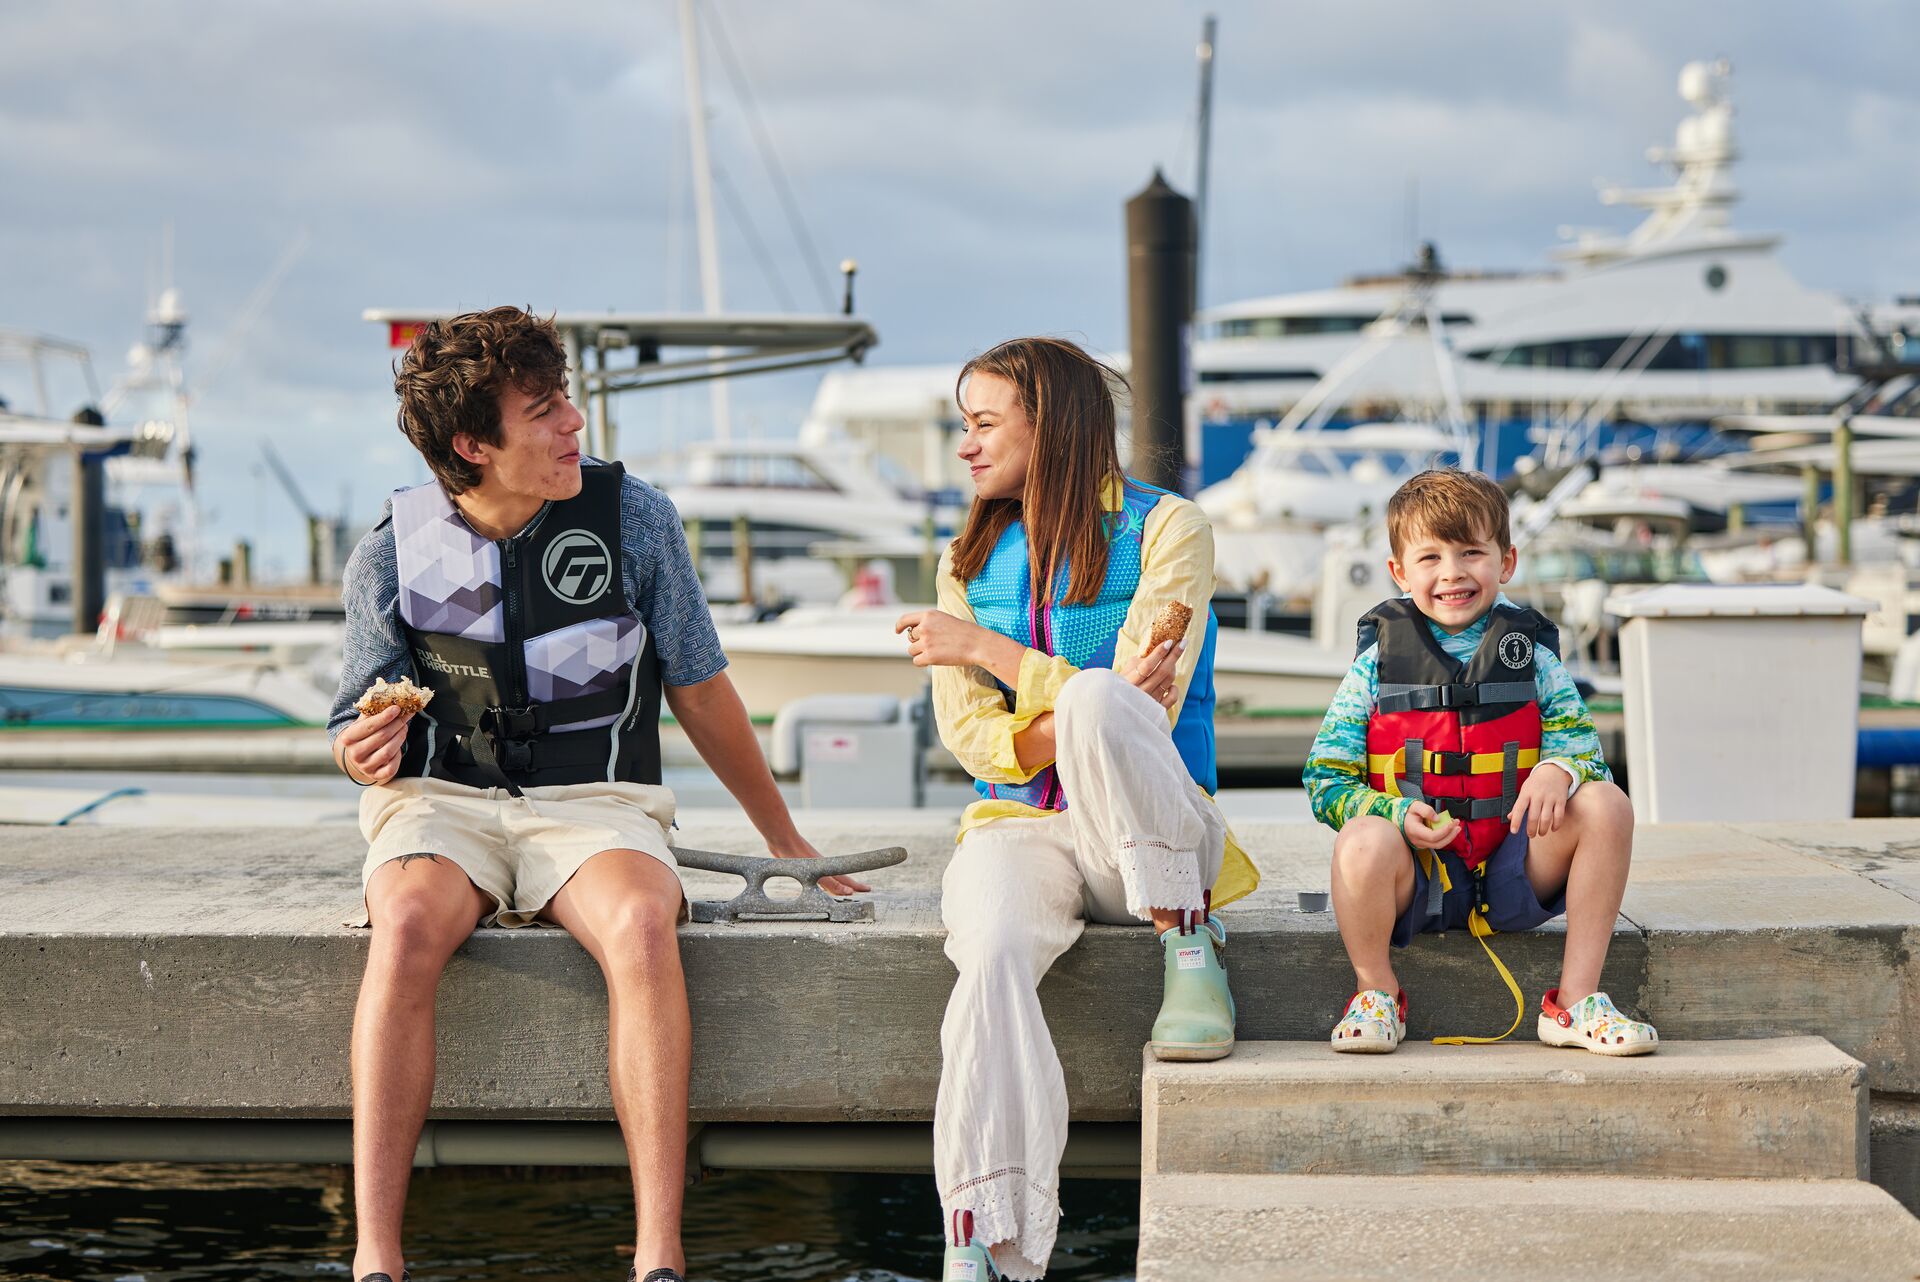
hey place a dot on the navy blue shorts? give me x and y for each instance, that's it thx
(1511, 903)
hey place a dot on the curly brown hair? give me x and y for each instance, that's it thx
(452, 375)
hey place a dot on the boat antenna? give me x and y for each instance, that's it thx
(1207, 30)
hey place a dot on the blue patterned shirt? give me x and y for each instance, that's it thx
(1336, 773)
(656, 568)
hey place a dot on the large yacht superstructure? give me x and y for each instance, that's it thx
(1680, 320)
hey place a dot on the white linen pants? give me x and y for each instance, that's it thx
(1138, 834)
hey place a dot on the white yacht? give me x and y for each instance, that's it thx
(799, 499)
(1680, 320)
(146, 540)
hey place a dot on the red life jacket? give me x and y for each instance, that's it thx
(1460, 736)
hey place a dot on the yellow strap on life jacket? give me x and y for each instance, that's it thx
(1393, 764)
(1478, 928)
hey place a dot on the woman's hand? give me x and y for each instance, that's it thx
(937, 639)
(1421, 832)
(370, 747)
(1154, 671)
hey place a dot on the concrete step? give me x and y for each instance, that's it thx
(1780, 1107)
(1255, 1228)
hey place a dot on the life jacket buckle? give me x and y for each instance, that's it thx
(514, 723)
(514, 754)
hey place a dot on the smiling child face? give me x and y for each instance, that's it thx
(1451, 582)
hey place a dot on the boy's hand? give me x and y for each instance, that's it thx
(1425, 830)
(1542, 802)
(371, 746)
(798, 847)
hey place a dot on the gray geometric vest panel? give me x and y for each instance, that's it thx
(541, 673)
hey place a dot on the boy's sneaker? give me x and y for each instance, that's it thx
(1374, 1024)
(1196, 1008)
(966, 1260)
(1593, 1023)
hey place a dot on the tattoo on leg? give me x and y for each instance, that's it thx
(407, 859)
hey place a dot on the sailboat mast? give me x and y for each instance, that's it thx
(1205, 144)
(703, 201)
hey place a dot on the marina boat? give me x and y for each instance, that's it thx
(1683, 319)
(789, 498)
(1270, 515)
(821, 651)
(153, 692)
(144, 541)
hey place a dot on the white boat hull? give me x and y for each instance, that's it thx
(856, 652)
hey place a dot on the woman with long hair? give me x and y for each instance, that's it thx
(1092, 751)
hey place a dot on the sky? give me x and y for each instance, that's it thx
(973, 158)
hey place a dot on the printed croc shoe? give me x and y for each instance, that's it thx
(1374, 1024)
(1594, 1024)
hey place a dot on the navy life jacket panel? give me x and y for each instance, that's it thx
(541, 673)
(1415, 674)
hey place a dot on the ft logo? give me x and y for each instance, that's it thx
(577, 567)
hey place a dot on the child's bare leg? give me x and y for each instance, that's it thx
(1588, 856)
(1372, 886)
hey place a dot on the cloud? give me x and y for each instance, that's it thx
(973, 158)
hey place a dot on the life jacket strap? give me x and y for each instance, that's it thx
(502, 758)
(1477, 926)
(1439, 882)
(539, 718)
(1394, 696)
(1392, 764)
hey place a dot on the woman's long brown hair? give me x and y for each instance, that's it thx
(1068, 398)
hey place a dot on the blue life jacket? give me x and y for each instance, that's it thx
(1002, 599)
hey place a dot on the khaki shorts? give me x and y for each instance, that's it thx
(518, 850)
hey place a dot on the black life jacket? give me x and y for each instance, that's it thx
(541, 673)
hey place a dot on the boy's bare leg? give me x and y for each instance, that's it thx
(1588, 855)
(624, 907)
(1372, 886)
(421, 907)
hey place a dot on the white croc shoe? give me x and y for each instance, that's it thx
(1594, 1024)
(1375, 1023)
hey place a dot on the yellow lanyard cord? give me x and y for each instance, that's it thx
(1478, 928)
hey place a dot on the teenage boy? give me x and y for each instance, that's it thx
(550, 605)
(1462, 772)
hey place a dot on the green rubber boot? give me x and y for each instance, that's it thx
(969, 1262)
(1196, 1009)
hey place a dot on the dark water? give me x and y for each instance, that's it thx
(62, 1222)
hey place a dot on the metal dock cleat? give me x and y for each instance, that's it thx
(812, 904)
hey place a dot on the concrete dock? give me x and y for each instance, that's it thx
(170, 974)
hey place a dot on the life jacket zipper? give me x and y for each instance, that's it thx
(516, 645)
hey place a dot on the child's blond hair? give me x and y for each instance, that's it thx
(1447, 503)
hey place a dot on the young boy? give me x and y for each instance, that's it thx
(1462, 772)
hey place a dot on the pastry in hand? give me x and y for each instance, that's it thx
(1170, 624)
(402, 694)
